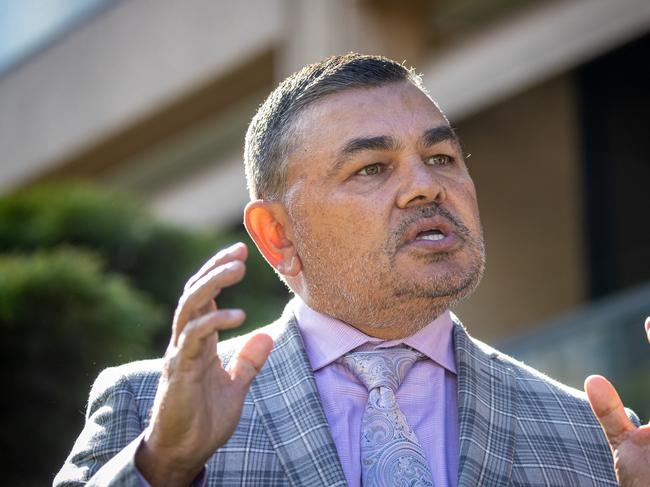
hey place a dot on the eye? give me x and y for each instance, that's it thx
(371, 170)
(439, 160)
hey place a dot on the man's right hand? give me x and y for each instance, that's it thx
(198, 403)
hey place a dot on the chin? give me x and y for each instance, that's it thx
(442, 283)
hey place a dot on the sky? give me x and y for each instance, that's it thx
(28, 25)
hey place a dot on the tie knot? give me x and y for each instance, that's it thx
(384, 367)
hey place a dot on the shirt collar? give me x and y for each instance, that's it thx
(327, 338)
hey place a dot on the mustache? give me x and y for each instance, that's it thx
(430, 211)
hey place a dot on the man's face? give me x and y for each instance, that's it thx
(383, 210)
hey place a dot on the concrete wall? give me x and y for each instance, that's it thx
(525, 163)
(123, 65)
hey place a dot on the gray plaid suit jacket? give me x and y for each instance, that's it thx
(517, 427)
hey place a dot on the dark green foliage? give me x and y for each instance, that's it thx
(88, 279)
(62, 320)
(157, 258)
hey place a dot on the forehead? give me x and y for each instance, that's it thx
(388, 103)
(398, 110)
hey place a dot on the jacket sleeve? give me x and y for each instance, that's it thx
(104, 452)
(633, 417)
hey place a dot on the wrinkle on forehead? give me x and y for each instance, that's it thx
(344, 98)
(318, 120)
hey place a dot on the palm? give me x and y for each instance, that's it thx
(632, 458)
(222, 400)
(198, 402)
(630, 444)
(204, 401)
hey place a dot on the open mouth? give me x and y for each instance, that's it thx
(429, 229)
(433, 235)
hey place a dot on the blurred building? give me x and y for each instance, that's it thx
(549, 97)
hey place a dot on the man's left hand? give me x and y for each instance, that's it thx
(630, 444)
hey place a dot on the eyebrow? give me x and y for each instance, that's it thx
(379, 143)
(430, 137)
(361, 144)
(439, 134)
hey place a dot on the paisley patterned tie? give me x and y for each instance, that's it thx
(390, 452)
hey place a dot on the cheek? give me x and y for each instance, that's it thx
(366, 216)
(352, 226)
(468, 203)
(348, 230)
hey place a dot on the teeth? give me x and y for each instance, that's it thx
(431, 236)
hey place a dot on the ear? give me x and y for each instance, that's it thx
(268, 225)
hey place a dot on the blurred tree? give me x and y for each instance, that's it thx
(89, 279)
(62, 320)
(157, 258)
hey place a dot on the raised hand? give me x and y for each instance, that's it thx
(630, 444)
(198, 403)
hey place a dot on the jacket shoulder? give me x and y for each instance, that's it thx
(228, 348)
(530, 378)
(138, 379)
(117, 412)
(141, 377)
(536, 386)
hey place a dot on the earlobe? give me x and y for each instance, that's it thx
(290, 267)
(266, 224)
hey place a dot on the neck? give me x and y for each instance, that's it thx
(388, 322)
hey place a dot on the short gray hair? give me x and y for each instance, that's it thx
(267, 145)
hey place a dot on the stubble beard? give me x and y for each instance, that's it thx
(368, 291)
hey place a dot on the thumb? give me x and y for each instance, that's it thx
(608, 408)
(250, 359)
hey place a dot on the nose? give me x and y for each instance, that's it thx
(420, 184)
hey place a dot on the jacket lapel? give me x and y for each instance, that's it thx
(289, 406)
(486, 413)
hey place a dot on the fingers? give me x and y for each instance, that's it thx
(237, 251)
(647, 327)
(608, 408)
(195, 299)
(250, 359)
(205, 289)
(193, 337)
(642, 435)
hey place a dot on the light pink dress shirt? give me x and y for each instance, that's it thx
(428, 395)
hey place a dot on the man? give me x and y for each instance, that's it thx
(362, 203)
